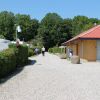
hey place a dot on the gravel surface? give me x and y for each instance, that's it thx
(51, 78)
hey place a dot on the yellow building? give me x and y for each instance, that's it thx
(87, 44)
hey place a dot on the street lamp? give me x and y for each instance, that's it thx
(18, 29)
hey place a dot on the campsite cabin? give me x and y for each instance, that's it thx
(87, 44)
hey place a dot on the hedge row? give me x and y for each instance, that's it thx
(21, 53)
(12, 58)
(30, 52)
(56, 50)
(7, 61)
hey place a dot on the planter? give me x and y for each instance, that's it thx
(63, 56)
(75, 59)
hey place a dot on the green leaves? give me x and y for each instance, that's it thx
(52, 30)
(7, 62)
(82, 23)
(29, 27)
(7, 24)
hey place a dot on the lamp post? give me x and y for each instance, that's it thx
(18, 29)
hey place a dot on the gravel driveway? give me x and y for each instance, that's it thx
(51, 78)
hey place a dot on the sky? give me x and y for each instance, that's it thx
(65, 8)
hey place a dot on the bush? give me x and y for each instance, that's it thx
(56, 50)
(2, 37)
(12, 58)
(11, 45)
(30, 52)
(50, 50)
(7, 62)
(21, 53)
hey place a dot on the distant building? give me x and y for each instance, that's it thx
(87, 44)
(4, 44)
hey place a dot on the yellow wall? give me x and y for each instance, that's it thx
(75, 46)
(74, 49)
(86, 49)
(89, 50)
(80, 48)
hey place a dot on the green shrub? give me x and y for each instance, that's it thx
(21, 53)
(12, 45)
(2, 37)
(7, 62)
(12, 58)
(56, 50)
(50, 50)
(30, 52)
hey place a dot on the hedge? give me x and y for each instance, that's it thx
(56, 50)
(21, 53)
(7, 62)
(12, 58)
(30, 52)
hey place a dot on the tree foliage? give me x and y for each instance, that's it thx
(51, 31)
(7, 24)
(82, 23)
(29, 27)
(54, 30)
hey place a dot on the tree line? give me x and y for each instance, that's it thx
(51, 31)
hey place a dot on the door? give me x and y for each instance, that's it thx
(77, 49)
(98, 49)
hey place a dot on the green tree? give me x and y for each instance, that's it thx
(29, 27)
(82, 23)
(7, 24)
(54, 30)
(49, 29)
(66, 29)
(78, 24)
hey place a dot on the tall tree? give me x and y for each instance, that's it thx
(78, 24)
(66, 29)
(82, 23)
(49, 29)
(29, 27)
(7, 24)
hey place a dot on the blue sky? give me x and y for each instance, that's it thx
(65, 8)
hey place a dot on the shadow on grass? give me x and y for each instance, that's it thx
(16, 72)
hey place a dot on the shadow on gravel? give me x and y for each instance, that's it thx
(16, 72)
(31, 62)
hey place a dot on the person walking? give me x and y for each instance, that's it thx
(43, 51)
(36, 51)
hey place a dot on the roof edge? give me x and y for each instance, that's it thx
(81, 34)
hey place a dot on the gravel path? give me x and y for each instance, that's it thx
(51, 78)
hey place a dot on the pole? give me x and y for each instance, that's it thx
(16, 34)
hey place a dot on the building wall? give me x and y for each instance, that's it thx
(85, 49)
(89, 50)
(98, 50)
(74, 49)
(80, 48)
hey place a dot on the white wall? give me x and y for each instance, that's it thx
(4, 44)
